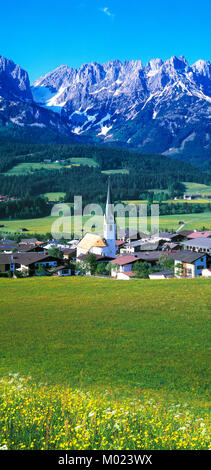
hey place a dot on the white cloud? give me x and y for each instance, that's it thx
(107, 12)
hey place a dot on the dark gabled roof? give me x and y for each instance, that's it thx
(153, 255)
(136, 243)
(185, 233)
(83, 257)
(29, 241)
(5, 259)
(25, 258)
(165, 272)
(27, 247)
(8, 244)
(127, 233)
(171, 244)
(58, 268)
(7, 241)
(168, 235)
(131, 234)
(199, 243)
(188, 256)
(69, 251)
(149, 255)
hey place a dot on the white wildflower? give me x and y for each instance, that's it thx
(116, 426)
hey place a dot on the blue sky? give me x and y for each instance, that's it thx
(44, 34)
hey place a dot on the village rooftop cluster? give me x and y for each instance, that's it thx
(164, 255)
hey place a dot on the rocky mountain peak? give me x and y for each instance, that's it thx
(14, 81)
(163, 106)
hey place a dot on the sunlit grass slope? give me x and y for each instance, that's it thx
(96, 332)
(44, 224)
(113, 365)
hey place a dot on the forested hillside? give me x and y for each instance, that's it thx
(134, 174)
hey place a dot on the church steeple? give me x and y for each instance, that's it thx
(109, 201)
(109, 225)
(109, 213)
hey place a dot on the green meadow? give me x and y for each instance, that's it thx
(191, 188)
(31, 167)
(83, 161)
(24, 168)
(121, 171)
(44, 224)
(94, 332)
(197, 188)
(89, 363)
(54, 196)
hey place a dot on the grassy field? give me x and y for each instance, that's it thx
(114, 172)
(121, 366)
(202, 200)
(193, 201)
(23, 168)
(191, 188)
(54, 196)
(196, 188)
(107, 333)
(83, 161)
(44, 224)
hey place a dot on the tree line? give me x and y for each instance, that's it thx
(26, 208)
(145, 172)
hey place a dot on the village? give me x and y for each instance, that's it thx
(125, 255)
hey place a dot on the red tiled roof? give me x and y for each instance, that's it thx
(204, 234)
(129, 273)
(125, 259)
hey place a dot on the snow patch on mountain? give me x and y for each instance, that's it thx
(17, 122)
(105, 130)
(149, 107)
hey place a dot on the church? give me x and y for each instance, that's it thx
(102, 246)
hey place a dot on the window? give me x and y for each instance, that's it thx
(188, 270)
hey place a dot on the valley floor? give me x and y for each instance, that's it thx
(166, 222)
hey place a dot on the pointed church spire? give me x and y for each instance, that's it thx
(109, 226)
(109, 214)
(109, 201)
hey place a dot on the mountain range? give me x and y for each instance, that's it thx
(163, 107)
